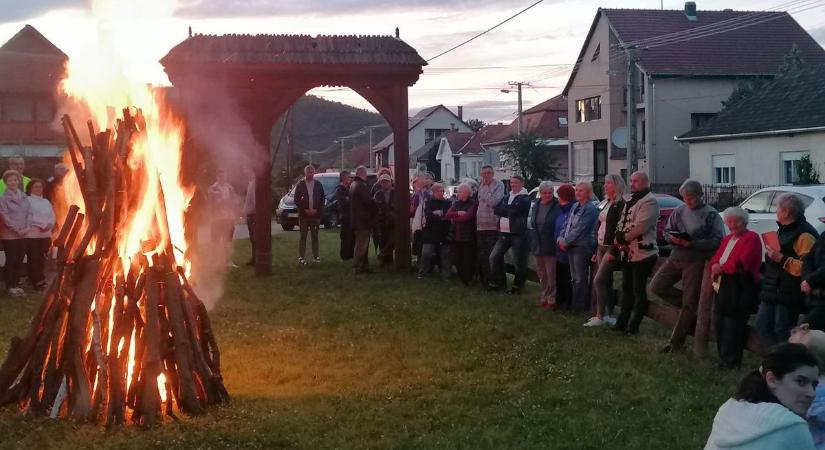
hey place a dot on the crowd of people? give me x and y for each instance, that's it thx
(715, 269)
(27, 220)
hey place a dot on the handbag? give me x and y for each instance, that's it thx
(738, 293)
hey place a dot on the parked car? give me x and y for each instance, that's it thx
(287, 213)
(761, 206)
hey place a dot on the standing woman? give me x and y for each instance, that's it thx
(607, 255)
(14, 212)
(736, 266)
(39, 238)
(542, 226)
(564, 282)
(462, 217)
(580, 244)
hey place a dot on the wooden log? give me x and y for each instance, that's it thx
(116, 405)
(38, 360)
(54, 377)
(74, 146)
(150, 396)
(183, 347)
(80, 401)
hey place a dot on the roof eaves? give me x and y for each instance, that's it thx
(720, 137)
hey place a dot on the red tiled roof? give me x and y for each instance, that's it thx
(457, 139)
(755, 42)
(542, 121)
(30, 63)
(487, 133)
(297, 49)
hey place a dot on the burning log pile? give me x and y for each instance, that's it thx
(120, 334)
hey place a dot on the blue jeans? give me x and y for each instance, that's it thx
(520, 246)
(579, 271)
(774, 323)
(428, 254)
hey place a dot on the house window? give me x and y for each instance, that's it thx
(600, 159)
(583, 161)
(562, 122)
(463, 169)
(588, 109)
(724, 169)
(430, 134)
(700, 119)
(789, 164)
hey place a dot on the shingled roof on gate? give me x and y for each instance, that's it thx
(294, 49)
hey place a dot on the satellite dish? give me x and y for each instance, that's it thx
(619, 137)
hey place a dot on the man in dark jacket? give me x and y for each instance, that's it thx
(512, 212)
(344, 220)
(782, 300)
(434, 234)
(385, 221)
(813, 284)
(309, 198)
(362, 210)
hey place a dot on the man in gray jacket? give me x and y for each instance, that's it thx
(695, 231)
(636, 238)
(490, 193)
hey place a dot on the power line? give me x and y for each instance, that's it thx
(486, 31)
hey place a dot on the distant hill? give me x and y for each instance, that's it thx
(317, 123)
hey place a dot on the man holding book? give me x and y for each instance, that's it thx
(695, 231)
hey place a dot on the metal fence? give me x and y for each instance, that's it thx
(719, 196)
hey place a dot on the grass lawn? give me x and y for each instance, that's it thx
(317, 358)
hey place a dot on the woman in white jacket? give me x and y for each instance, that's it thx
(39, 237)
(768, 410)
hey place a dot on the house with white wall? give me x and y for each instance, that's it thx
(759, 140)
(547, 122)
(424, 127)
(687, 63)
(461, 155)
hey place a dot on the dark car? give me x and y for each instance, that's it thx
(287, 213)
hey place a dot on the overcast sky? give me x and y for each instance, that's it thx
(537, 47)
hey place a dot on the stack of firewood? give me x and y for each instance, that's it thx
(117, 337)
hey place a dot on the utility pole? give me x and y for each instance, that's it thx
(291, 145)
(518, 85)
(370, 151)
(632, 87)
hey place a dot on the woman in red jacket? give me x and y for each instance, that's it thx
(735, 270)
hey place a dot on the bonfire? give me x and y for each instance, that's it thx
(120, 334)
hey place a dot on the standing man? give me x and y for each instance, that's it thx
(309, 198)
(249, 210)
(362, 209)
(695, 231)
(636, 238)
(512, 212)
(385, 224)
(490, 193)
(344, 219)
(54, 181)
(222, 201)
(18, 164)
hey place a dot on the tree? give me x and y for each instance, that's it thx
(476, 124)
(806, 173)
(530, 159)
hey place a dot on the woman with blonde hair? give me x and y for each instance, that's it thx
(607, 255)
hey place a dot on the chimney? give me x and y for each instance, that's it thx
(690, 10)
(461, 112)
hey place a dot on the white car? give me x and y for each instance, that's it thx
(761, 206)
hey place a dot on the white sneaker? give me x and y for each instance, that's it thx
(595, 322)
(610, 320)
(16, 292)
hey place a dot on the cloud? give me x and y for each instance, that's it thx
(17, 10)
(257, 8)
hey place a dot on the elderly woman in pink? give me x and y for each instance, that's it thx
(14, 212)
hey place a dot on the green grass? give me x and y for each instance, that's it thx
(315, 357)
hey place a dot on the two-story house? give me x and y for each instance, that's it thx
(425, 127)
(687, 61)
(31, 68)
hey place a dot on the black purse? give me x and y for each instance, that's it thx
(738, 293)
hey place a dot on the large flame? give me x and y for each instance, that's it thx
(101, 83)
